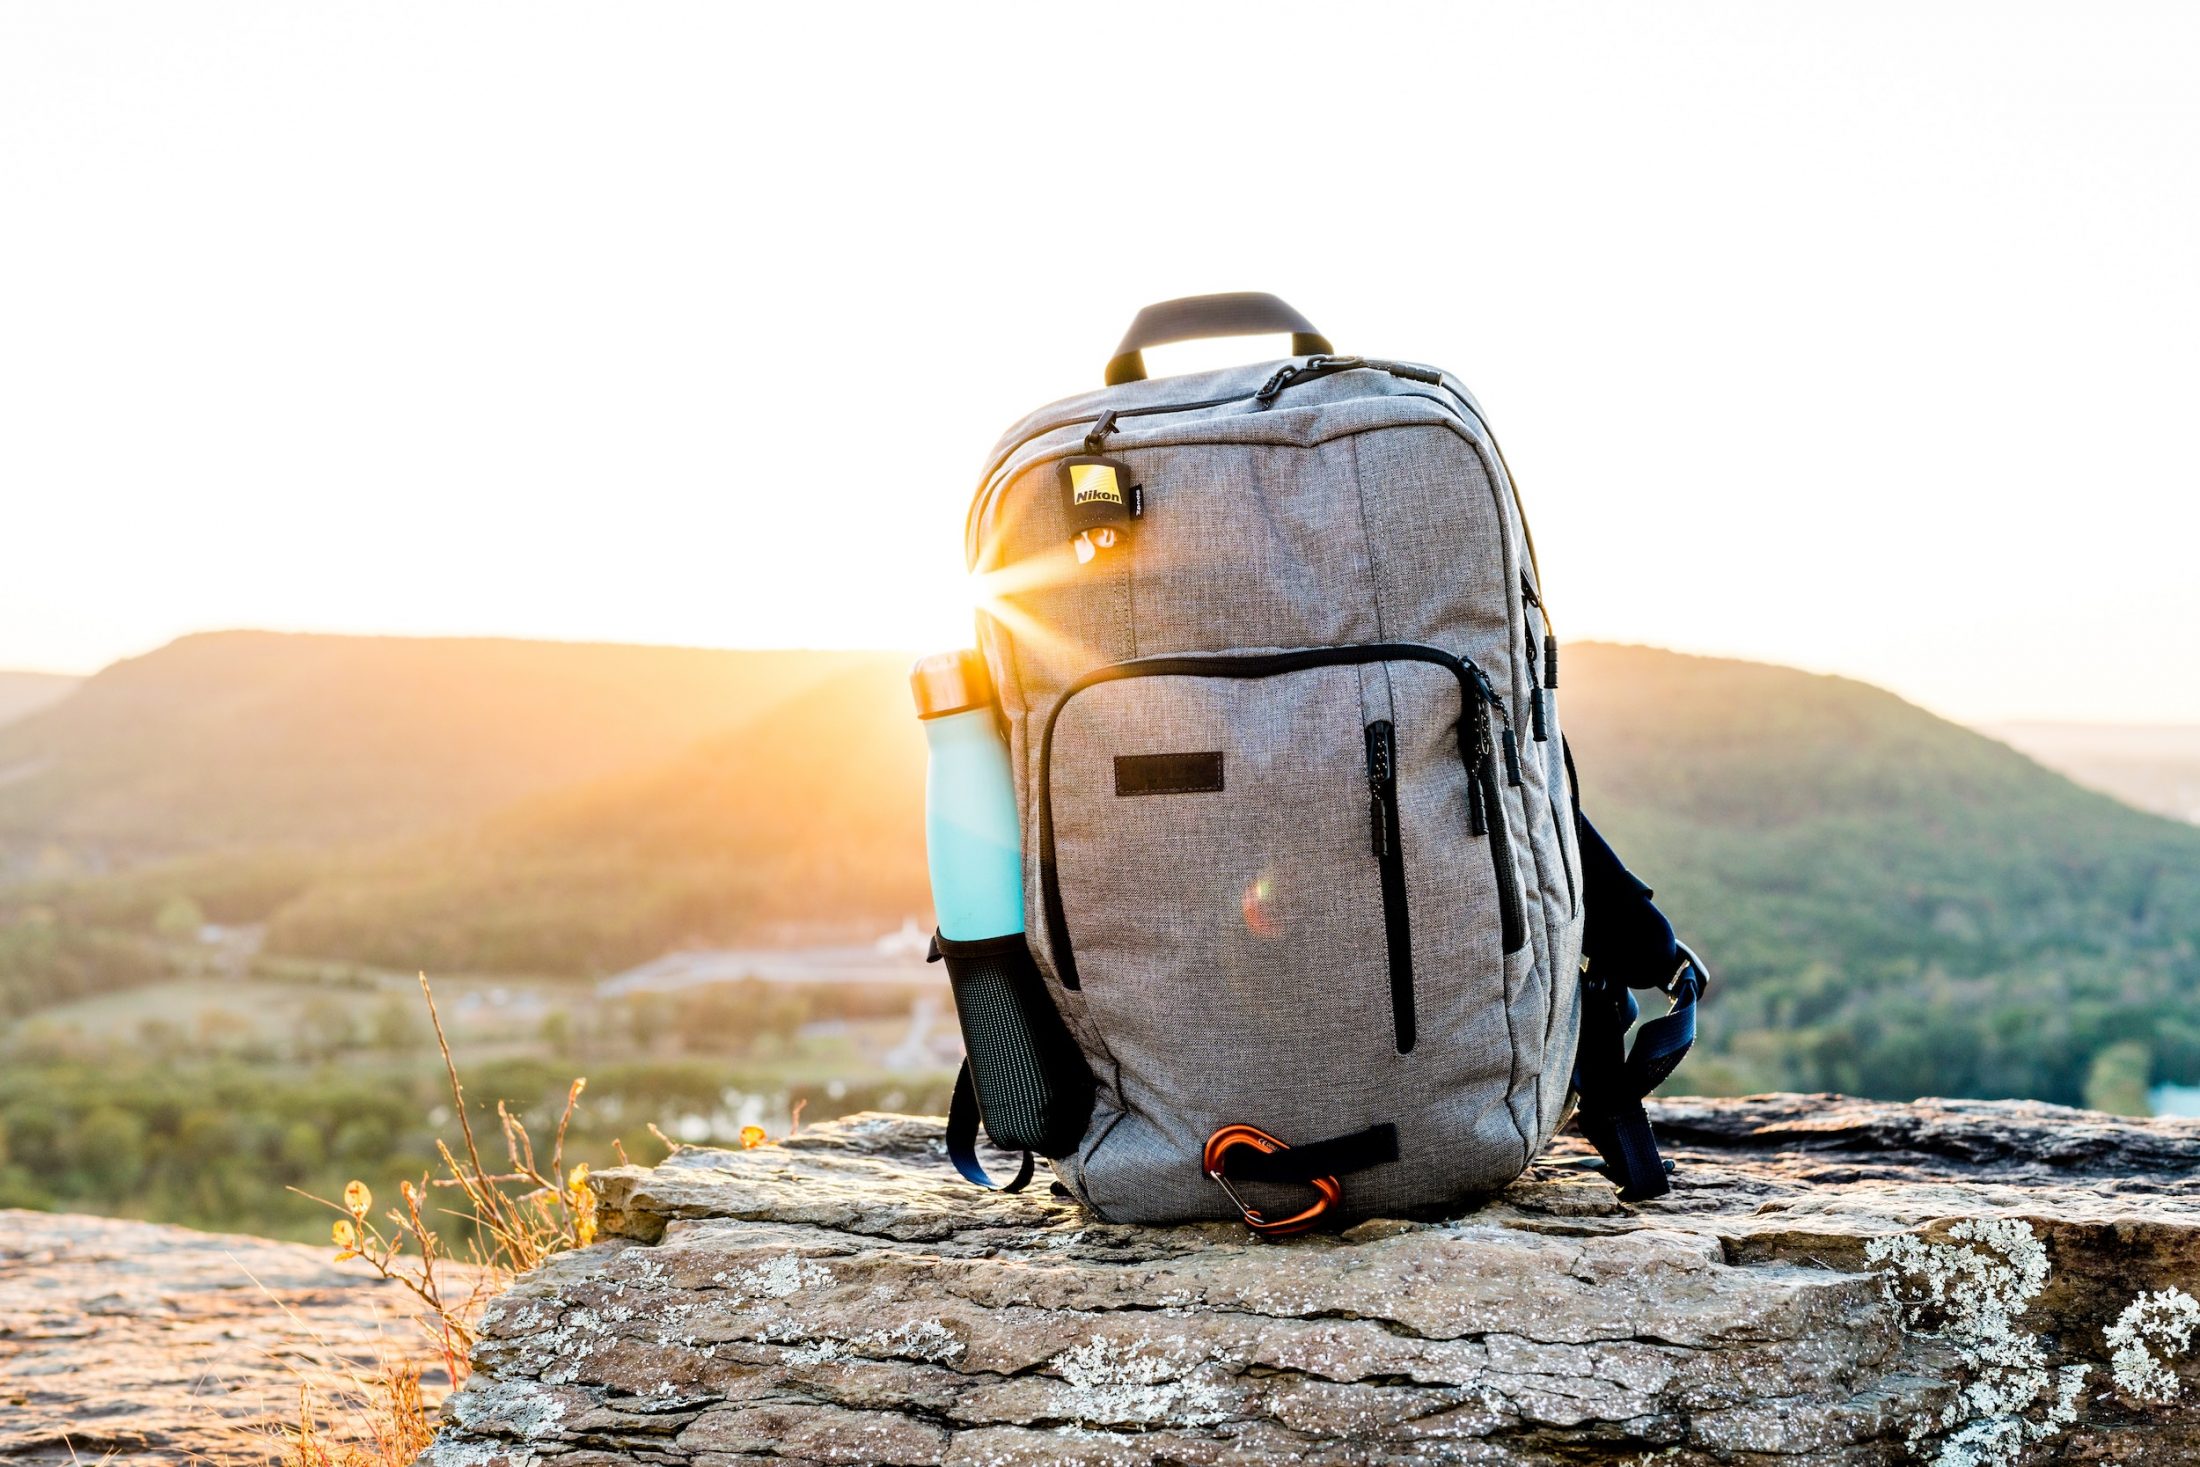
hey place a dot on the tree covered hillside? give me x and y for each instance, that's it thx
(235, 739)
(1895, 905)
(807, 817)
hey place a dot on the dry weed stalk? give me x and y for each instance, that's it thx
(386, 1408)
(516, 1218)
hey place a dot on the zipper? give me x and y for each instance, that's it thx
(1478, 702)
(1462, 407)
(1291, 372)
(1382, 814)
(1550, 640)
(1538, 717)
(1541, 680)
(1105, 420)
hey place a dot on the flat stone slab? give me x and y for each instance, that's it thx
(131, 1343)
(1830, 1281)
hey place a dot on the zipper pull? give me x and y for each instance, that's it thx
(1535, 698)
(1100, 431)
(1316, 366)
(1278, 382)
(1511, 744)
(1428, 376)
(1381, 783)
(1479, 760)
(1550, 642)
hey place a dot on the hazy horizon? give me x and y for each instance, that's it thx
(2008, 729)
(1858, 342)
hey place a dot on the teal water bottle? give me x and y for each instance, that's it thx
(1022, 1072)
(971, 840)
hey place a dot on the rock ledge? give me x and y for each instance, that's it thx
(1831, 1281)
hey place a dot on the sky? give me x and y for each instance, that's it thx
(1863, 338)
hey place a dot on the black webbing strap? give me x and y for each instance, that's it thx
(1335, 1157)
(1614, 1080)
(962, 1139)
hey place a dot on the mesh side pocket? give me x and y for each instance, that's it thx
(1034, 1089)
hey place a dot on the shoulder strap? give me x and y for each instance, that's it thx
(962, 1139)
(1629, 944)
(1614, 1080)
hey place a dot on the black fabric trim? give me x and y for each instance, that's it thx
(982, 947)
(1168, 774)
(1336, 1157)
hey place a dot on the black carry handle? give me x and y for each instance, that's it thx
(1239, 313)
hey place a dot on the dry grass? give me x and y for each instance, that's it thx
(511, 1218)
(381, 1420)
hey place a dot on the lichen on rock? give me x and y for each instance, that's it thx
(2164, 1319)
(1830, 1281)
(1971, 1291)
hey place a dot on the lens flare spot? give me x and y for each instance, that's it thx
(1259, 905)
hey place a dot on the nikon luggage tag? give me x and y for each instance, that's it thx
(1101, 502)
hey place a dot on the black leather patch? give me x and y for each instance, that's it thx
(1168, 774)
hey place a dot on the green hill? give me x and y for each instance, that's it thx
(25, 693)
(1895, 905)
(236, 739)
(806, 818)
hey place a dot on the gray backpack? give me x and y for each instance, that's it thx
(1304, 887)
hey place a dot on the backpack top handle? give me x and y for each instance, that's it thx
(1195, 317)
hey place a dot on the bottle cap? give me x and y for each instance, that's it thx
(951, 682)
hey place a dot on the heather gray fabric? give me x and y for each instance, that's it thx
(1230, 945)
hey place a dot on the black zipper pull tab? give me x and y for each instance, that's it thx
(1478, 763)
(1314, 366)
(1277, 383)
(1512, 757)
(1100, 431)
(1550, 642)
(1381, 782)
(1535, 698)
(1409, 371)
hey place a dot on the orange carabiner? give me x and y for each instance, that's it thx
(1328, 1190)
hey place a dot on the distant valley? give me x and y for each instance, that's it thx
(230, 857)
(2155, 767)
(25, 693)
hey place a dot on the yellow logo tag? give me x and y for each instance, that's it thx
(1094, 483)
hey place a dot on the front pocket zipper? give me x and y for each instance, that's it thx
(1382, 815)
(1104, 420)
(1485, 803)
(1542, 680)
